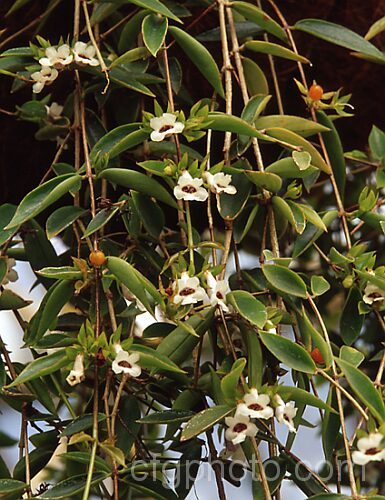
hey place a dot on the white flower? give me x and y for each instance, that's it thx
(220, 183)
(217, 290)
(285, 412)
(239, 427)
(369, 449)
(165, 125)
(188, 290)
(57, 57)
(190, 189)
(126, 362)
(76, 375)
(85, 54)
(45, 76)
(373, 294)
(54, 111)
(11, 274)
(255, 405)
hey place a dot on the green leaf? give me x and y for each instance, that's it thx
(296, 140)
(265, 180)
(154, 29)
(288, 352)
(376, 28)
(71, 487)
(43, 196)
(100, 220)
(204, 420)
(288, 169)
(150, 358)
(179, 344)
(157, 7)
(339, 35)
(274, 50)
(290, 212)
(62, 218)
(372, 278)
(351, 321)
(312, 338)
(231, 205)
(364, 389)
(11, 486)
(61, 273)
(10, 301)
(230, 123)
(41, 367)
(80, 424)
(296, 124)
(250, 113)
(335, 151)
(38, 459)
(351, 355)
(200, 57)
(130, 56)
(116, 141)
(258, 16)
(312, 216)
(255, 363)
(319, 285)
(256, 80)
(84, 458)
(150, 213)
(138, 182)
(377, 143)
(56, 298)
(7, 211)
(248, 307)
(166, 417)
(285, 280)
(301, 396)
(127, 275)
(229, 383)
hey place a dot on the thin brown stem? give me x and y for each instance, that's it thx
(216, 466)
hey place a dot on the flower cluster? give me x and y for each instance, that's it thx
(57, 58)
(255, 405)
(188, 290)
(189, 188)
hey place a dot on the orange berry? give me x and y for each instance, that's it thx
(97, 258)
(316, 92)
(317, 356)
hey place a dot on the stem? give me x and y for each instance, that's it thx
(352, 481)
(190, 238)
(215, 465)
(63, 396)
(95, 435)
(262, 473)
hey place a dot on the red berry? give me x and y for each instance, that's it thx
(316, 92)
(97, 258)
(317, 356)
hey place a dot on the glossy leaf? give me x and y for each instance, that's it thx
(41, 367)
(265, 180)
(138, 182)
(81, 423)
(71, 487)
(319, 285)
(100, 220)
(154, 29)
(297, 124)
(10, 301)
(229, 383)
(285, 280)
(204, 420)
(43, 196)
(288, 352)
(151, 358)
(248, 307)
(339, 35)
(200, 57)
(157, 7)
(258, 16)
(351, 321)
(62, 218)
(274, 50)
(288, 169)
(363, 388)
(301, 396)
(166, 417)
(11, 486)
(335, 151)
(256, 80)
